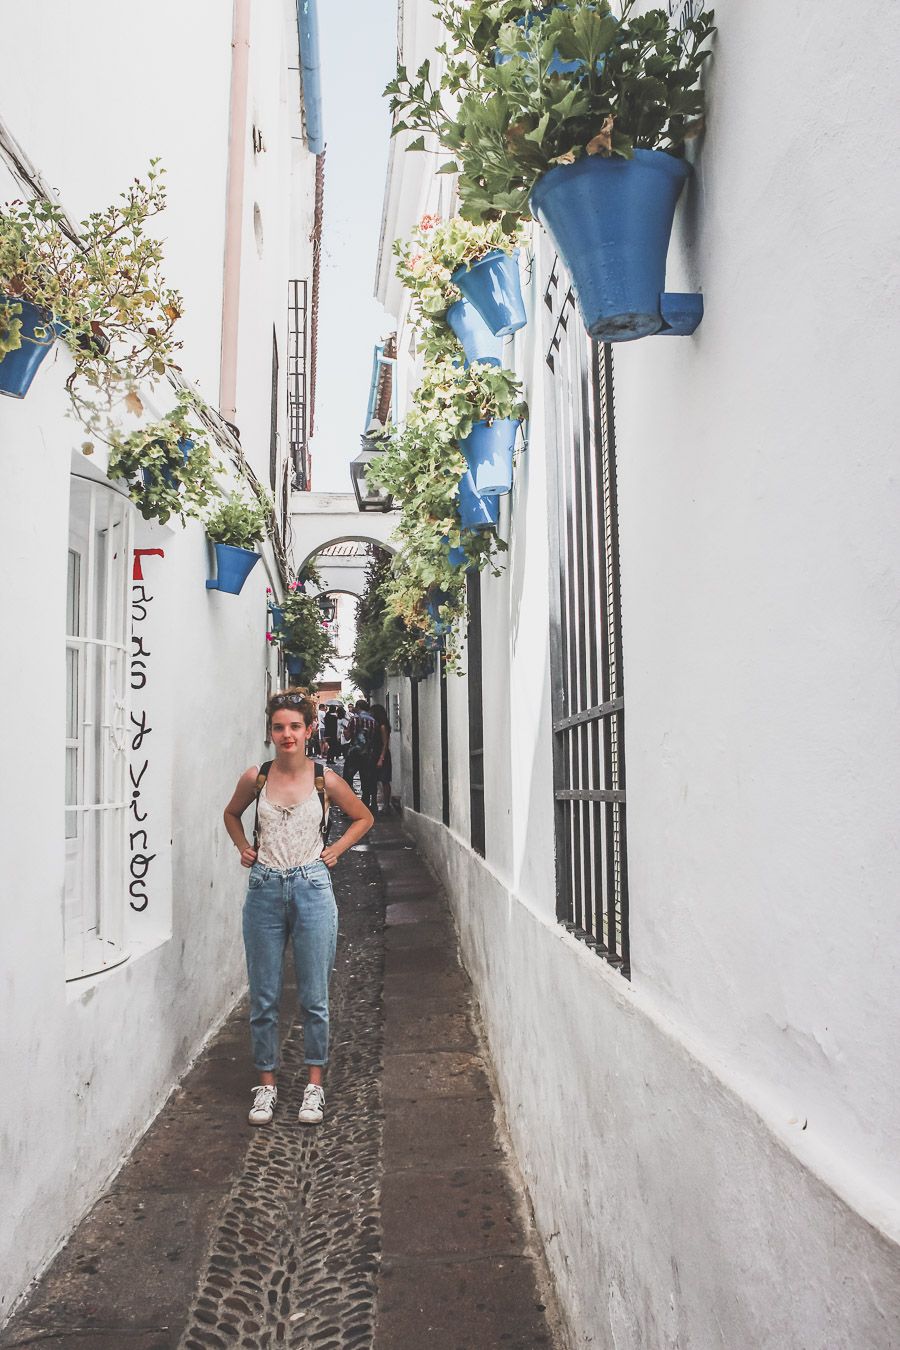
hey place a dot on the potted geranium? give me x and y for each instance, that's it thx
(102, 292)
(306, 645)
(584, 122)
(235, 529)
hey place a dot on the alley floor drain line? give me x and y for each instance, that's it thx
(294, 1258)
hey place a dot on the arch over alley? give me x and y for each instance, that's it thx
(320, 519)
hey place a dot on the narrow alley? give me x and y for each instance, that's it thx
(399, 1223)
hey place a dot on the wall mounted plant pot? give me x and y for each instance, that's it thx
(476, 512)
(478, 342)
(434, 644)
(456, 557)
(492, 285)
(38, 333)
(488, 449)
(433, 601)
(277, 617)
(610, 221)
(233, 567)
(185, 445)
(294, 666)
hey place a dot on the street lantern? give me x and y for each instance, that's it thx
(368, 496)
(327, 607)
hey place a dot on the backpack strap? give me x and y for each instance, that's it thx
(260, 784)
(319, 769)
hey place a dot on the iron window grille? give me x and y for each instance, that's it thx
(476, 714)
(297, 380)
(414, 731)
(586, 636)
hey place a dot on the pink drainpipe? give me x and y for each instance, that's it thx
(234, 207)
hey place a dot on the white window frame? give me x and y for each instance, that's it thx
(98, 705)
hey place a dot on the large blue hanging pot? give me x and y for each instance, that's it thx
(610, 221)
(488, 449)
(294, 666)
(233, 567)
(478, 342)
(38, 334)
(456, 557)
(476, 512)
(493, 287)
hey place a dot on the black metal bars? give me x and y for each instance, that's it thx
(586, 637)
(476, 714)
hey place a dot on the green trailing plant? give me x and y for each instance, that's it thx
(105, 287)
(434, 250)
(162, 480)
(302, 633)
(506, 119)
(239, 522)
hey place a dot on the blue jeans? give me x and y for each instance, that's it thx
(296, 906)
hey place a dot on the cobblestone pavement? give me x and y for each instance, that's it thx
(397, 1224)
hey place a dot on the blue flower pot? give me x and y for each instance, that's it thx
(277, 617)
(476, 512)
(610, 221)
(233, 567)
(434, 644)
(433, 601)
(478, 342)
(556, 66)
(185, 445)
(489, 454)
(294, 666)
(456, 557)
(493, 287)
(38, 334)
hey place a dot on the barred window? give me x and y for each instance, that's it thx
(586, 635)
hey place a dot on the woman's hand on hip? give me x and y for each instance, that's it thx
(329, 856)
(248, 856)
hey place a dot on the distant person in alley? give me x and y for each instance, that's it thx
(289, 894)
(362, 746)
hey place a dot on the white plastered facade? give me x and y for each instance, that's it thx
(91, 95)
(712, 1149)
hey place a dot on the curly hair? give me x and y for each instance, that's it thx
(296, 699)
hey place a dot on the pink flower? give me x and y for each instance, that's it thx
(428, 222)
(268, 590)
(268, 637)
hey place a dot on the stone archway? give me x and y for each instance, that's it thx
(319, 519)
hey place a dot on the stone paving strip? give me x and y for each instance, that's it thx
(396, 1224)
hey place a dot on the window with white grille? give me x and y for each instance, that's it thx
(97, 650)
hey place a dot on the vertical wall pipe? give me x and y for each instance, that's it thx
(234, 207)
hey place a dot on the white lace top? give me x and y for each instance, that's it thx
(289, 836)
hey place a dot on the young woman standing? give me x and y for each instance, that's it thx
(289, 895)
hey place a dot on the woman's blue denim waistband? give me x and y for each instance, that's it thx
(303, 870)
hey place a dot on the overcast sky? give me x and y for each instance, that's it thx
(358, 50)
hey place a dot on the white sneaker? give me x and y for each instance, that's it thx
(312, 1110)
(264, 1102)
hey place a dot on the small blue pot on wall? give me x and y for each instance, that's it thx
(277, 617)
(185, 445)
(488, 449)
(492, 285)
(294, 666)
(476, 512)
(433, 601)
(233, 567)
(38, 334)
(610, 222)
(478, 342)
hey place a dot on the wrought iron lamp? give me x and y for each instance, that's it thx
(368, 496)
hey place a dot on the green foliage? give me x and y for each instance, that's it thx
(107, 289)
(238, 522)
(421, 468)
(162, 482)
(636, 85)
(10, 327)
(302, 633)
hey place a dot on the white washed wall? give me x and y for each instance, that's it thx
(712, 1150)
(91, 96)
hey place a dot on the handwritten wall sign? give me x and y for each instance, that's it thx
(139, 839)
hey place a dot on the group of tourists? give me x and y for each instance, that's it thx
(290, 898)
